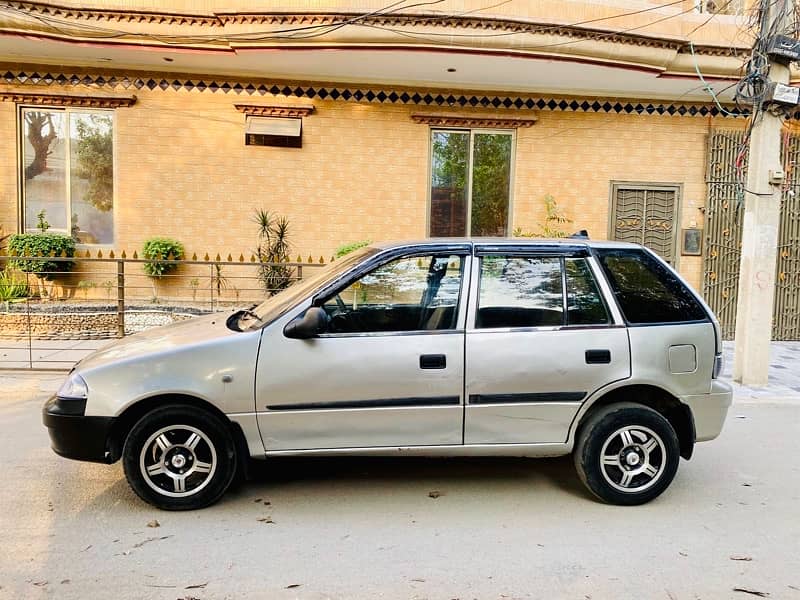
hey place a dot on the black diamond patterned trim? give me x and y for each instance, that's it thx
(388, 95)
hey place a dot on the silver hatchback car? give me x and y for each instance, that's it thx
(434, 348)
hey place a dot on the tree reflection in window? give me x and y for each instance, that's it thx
(520, 292)
(68, 172)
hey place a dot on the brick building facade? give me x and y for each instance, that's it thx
(368, 165)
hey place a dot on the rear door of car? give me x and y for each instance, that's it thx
(540, 338)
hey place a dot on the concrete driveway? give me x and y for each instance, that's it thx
(362, 528)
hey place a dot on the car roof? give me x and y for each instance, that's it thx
(504, 241)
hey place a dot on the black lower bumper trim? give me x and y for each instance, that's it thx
(76, 436)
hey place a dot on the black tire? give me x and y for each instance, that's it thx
(638, 466)
(168, 445)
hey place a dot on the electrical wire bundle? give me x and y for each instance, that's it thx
(753, 87)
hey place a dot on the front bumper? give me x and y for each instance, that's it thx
(709, 410)
(76, 436)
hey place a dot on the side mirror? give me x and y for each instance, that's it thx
(312, 322)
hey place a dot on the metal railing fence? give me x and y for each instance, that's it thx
(49, 319)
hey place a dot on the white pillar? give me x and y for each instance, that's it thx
(759, 247)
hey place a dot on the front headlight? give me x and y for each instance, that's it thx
(74, 388)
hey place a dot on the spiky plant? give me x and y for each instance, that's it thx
(273, 251)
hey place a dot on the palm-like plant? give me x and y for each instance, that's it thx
(11, 288)
(273, 251)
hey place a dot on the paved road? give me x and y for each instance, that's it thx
(356, 529)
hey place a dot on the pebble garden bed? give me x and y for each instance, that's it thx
(67, 321)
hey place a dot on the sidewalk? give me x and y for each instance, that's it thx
(784, 375)
(46, 354)
(783, 387)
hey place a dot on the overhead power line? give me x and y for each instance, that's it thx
(320, 30)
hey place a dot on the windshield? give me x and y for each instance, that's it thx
(276, 305)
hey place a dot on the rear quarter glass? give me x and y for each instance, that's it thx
(648, 292)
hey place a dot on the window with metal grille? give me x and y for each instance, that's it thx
(646, 214)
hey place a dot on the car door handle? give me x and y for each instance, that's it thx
(432, 361)
(598, 357)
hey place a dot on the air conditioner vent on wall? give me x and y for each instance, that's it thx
(274, 131)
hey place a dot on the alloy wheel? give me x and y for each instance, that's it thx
(178, 461)
(633, 458)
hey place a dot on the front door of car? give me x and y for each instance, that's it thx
(387, 371)
(540, 339)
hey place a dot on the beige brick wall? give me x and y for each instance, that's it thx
(8, 162)
(575, 157)
(183, 170)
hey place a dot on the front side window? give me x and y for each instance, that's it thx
(470, 182)
(647, 291)
(68, 172)
(419, 293)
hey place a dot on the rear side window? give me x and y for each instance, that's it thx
(647, 291)
(585, 306)
(528, 291)
(520, 292)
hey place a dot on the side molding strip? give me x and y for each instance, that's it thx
(526, 398)
(376, 403)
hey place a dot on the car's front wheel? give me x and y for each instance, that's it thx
(179, 457)
(626, 453)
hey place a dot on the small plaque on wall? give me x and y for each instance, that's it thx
(692, 242)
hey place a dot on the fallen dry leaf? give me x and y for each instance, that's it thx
(751, 592)
(196, 586)
(434, 494)
(152, 539)
(154, 523)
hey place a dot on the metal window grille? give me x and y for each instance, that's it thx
(646, 214)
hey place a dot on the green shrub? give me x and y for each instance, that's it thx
(11, 287)
(554, 218)
(348, 248)
(157, 251)
(41, 246)
(86, 286)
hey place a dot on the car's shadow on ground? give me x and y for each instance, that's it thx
(364, 473)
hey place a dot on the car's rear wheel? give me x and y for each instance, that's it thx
(627, 453)
(179, 457)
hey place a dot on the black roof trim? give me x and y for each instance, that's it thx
(533, 249)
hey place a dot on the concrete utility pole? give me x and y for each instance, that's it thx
(760, 227)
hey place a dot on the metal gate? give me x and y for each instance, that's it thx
(725, 172)
(645, 214)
